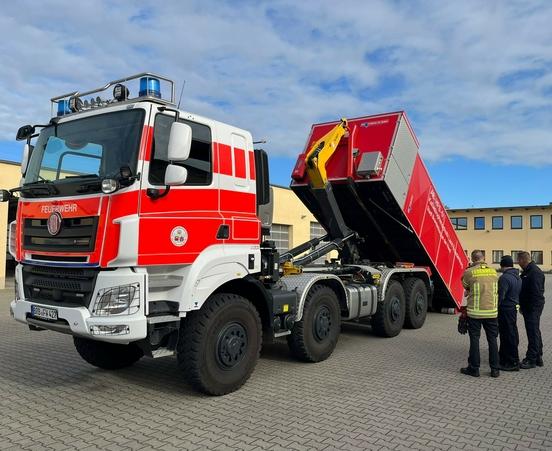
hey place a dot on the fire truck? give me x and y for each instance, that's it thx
(143, 230)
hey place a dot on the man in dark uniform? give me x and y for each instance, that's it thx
(531, 303)
(509, 287)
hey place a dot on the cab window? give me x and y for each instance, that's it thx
(199, 163)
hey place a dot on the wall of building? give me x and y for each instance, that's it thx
(506, 239)
(288, 210)
(10, 175)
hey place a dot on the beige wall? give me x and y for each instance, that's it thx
(288, 210)
(10, 175)
(507, 240)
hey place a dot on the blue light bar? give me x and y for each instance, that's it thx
(63, 107)
(150, 87)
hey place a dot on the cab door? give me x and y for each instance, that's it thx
(179, 224)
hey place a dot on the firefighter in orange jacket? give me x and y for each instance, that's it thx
(481, 284)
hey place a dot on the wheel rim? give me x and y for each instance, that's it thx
(395, 309)
(231, 345)
(322, 323)
(419, 304)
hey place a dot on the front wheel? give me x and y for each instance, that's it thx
(109, 356)
(389, 318)
(314, 338)
(219, 345)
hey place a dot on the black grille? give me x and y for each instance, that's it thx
(75, 235)
(59, 286)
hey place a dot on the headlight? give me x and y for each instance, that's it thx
(121, 300)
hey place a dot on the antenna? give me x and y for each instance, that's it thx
(181, 91)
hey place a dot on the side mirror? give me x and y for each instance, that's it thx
(5, 195)
(25, 132)
(175, 175)
(180, 142)
(27, 150)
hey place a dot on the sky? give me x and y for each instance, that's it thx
(475, 78)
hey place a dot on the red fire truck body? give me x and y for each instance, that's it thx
(141, 231)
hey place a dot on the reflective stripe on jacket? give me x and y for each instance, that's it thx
(481, 281)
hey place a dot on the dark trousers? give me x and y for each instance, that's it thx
(531, 317)
(491, 331)
(509, 337)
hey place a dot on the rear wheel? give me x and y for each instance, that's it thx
(314, 338)
(389, 318)
(109, 356)
(220, 344)
(416, 302)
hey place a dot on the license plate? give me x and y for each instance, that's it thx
(48, 314)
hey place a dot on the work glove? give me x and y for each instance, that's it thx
(463, 321)
(462, 325)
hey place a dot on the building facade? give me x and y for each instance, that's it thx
(506, 231)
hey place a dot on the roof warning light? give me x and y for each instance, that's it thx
(150, 87)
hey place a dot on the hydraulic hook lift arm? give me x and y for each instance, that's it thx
(316, 160)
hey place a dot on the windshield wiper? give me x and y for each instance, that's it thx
(43, 184)
(82, 176)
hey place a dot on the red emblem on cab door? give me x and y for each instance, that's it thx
(54, 223)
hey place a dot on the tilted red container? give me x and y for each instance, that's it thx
(385, 194)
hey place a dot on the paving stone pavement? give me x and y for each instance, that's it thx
(373, 393)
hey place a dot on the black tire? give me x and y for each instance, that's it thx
(314, 338)
(220, 344)
(389, 318)
(109, 356)
(415, 291)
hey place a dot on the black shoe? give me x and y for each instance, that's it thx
(495, 372)
(539, 361)
(469, 371)
(509, 368)
(527, 364)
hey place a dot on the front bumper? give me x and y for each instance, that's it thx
(79, 321)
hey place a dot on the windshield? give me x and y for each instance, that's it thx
(89, 148)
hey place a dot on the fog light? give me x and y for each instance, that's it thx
(75, 104)
(119, 329)
(109, 186)
(124, 300)
(120, 92)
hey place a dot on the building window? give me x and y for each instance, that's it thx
(459, 223)
(536, 221)
(516, 222)
(497, 256)
(279, 233)
(536, 256)
(514, 255)
(498, 222)
(316, 231)
(479, 223)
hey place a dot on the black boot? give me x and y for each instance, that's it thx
(539, 361)
(495, 372)
(528, 364)
(470, 371)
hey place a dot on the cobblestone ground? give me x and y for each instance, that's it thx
(400, 393)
